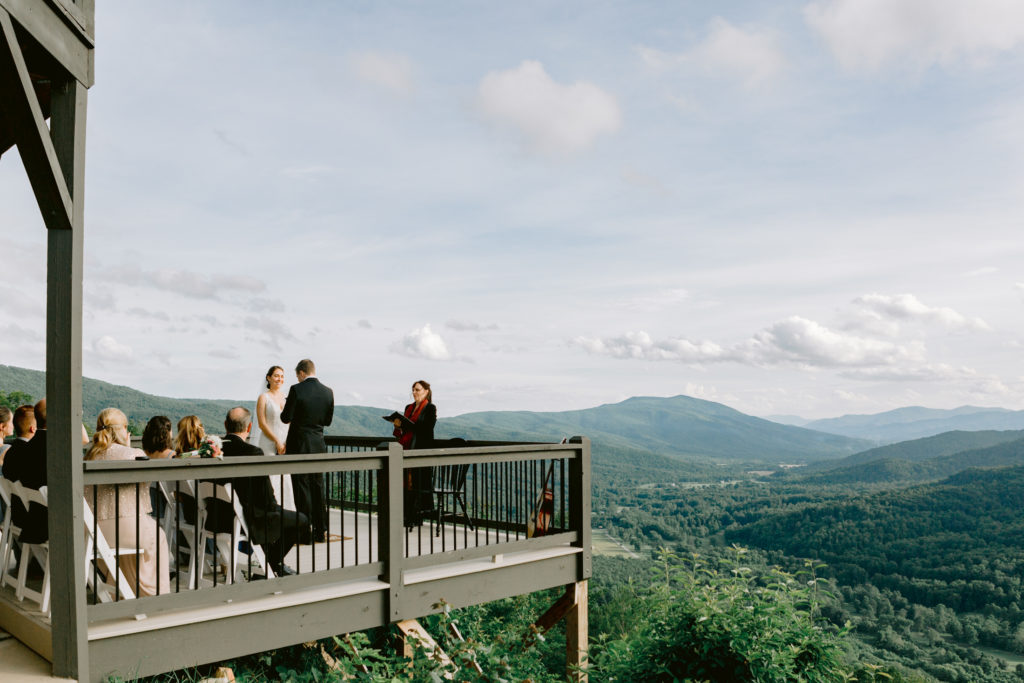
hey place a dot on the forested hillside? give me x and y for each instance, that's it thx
(894, 470)
(925, 448)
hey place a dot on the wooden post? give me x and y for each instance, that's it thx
(392, 527)
(577, 629)
(64, 392)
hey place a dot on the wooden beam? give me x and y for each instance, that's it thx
(67, 34)
(25, 117)
(577, 627)
(64, 392)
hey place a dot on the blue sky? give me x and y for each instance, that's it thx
(806, 208)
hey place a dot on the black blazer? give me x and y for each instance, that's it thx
(26, 462)
(261, 510)
(423, 428)
(308, 409)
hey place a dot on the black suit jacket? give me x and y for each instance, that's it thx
(308, 409)
(261, 510)
(26, 462)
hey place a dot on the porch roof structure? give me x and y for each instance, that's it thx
(46, 68)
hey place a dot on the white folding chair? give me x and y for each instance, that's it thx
(40, 551)
(5, 532)
(240, 532)
(179, 495)
(97, 550)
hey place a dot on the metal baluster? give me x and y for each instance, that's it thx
(95, 547)
(138, 550)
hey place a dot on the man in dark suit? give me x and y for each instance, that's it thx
(25, 461)
(308, 409)
(270, 525)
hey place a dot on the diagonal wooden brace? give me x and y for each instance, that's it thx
(25, 117)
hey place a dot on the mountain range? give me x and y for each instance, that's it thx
(641, 431)
(913, 422)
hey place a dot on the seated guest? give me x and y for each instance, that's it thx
(25, 461)
(117, 514)
(270, 525)
(156, 438)
(6, 429)
(190, 434)
(157, 443)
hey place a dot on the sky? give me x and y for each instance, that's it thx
(793, 208)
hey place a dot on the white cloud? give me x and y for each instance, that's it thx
(187, 283)
(423, 343)
(274, 331)
(750, 55)
(640, 346)
(868, 35)
(795, 341)
(468, 326)
(389, 71)
(108, 348)
(554, 117)
(806, 342)
(656, 301)
(908, 307)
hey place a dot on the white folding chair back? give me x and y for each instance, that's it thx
(194, 541)
(6, 542)
(240, 532)
(40, 551)
(98, 550)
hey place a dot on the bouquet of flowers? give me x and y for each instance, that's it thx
(209, 448)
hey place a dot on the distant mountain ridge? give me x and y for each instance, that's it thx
(905, 463)
(679, 427)
(916, 422)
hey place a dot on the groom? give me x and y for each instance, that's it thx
(308, 409)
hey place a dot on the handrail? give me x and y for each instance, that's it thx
(501, 483)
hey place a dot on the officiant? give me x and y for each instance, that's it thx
(416, 431)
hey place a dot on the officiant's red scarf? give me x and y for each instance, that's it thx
(412, 411)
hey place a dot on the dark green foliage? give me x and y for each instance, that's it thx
(721, 621)
(15, 399)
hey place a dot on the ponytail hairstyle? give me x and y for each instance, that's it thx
(107, 432)
(190, 434)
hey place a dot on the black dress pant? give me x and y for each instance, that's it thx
(309, 500)
(292, 525)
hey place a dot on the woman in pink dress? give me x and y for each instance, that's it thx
(118, 515)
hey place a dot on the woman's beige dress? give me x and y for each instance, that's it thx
(118, 521)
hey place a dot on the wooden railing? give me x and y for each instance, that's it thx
(368, 567)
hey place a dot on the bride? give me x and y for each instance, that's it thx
(270, 433)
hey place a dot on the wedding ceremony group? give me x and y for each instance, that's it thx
(277, 513)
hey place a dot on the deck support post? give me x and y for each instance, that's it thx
(577, 629)
(64, 391)
(54, 159)
(392, 528)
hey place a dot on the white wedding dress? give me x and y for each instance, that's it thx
(272, 416)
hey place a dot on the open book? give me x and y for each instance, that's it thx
(406, 422)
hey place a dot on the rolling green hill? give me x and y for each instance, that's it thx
(679, 426)
(914, 470)
(927, 448)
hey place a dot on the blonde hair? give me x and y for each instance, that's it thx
(107, 433)
(190, 434)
